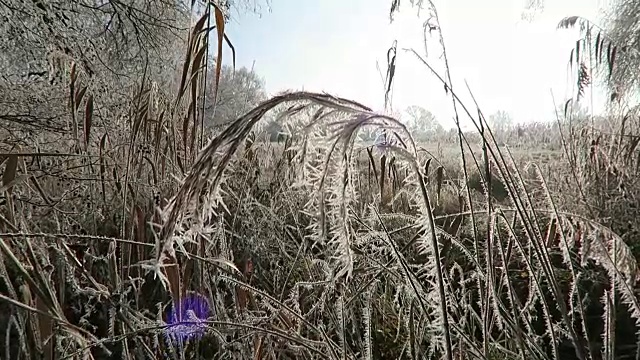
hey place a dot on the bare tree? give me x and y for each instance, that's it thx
(116, 36)
(113, 46)
(239, 90)
(422, 123)
(500, 121)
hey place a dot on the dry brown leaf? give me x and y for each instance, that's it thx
(103, 166)
(74, 74)
(78, 98)
(9, 174)
(88, 116)
(220, 31)
(45, 325)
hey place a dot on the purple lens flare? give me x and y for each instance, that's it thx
(187, 320)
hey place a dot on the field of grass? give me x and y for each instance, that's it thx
(131, 231)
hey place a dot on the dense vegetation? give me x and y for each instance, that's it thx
(155, 203)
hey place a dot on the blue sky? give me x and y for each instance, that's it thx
(333, 46)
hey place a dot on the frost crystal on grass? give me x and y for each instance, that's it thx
(186, 321)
